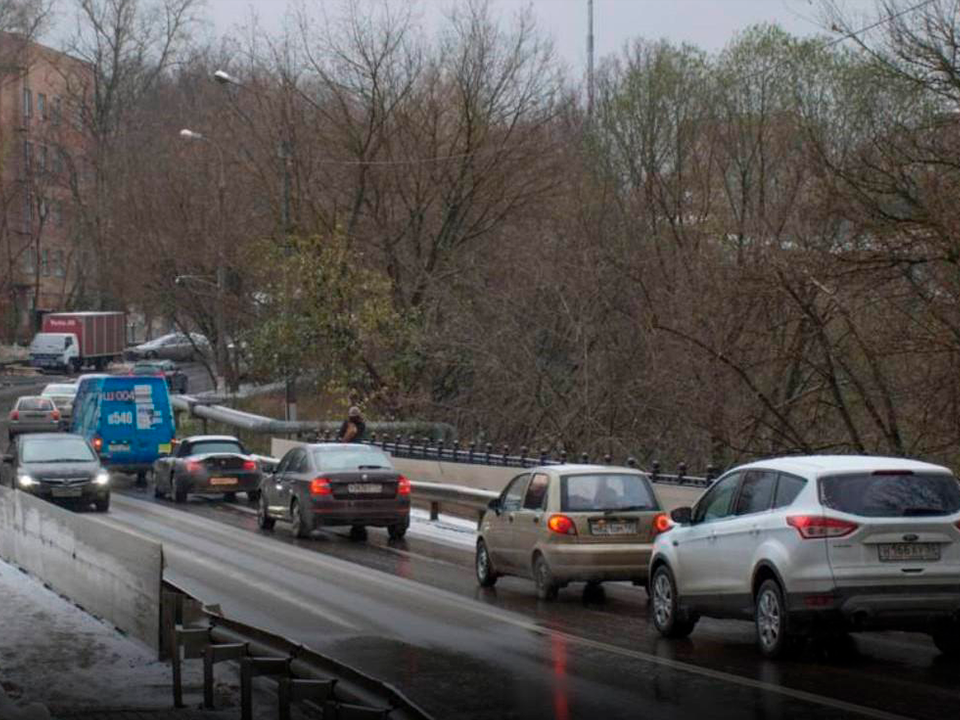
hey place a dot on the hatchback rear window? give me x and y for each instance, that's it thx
(606, 491)
(35, 403)
(891, 494)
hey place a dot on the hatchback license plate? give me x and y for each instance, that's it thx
(617, 527)
(901, 552)
(66, 492)
(364, 488)
(223, 481)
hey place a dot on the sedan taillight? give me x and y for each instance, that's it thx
(320, 486)
(403, 486)
(816, 527)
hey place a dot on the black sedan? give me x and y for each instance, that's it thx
(207, 465)
(57, 466)
(328, 484)
(167, 369)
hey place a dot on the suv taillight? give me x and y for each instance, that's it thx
(320, 486)
(816, 527)
(562, 525)
(403, 486)
(661, 523)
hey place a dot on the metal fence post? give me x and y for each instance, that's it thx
(681, 472)
(654, 470)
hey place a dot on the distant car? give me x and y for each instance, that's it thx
(167, 369)
(173, 346)
(816, 545)
(61, 467)
(207, 465)
(63, 395)
(570, 523)
(33, 414)
(330, 484)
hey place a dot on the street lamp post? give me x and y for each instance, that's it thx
(190, 135)
(283, 153)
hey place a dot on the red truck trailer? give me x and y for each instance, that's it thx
(99, 338)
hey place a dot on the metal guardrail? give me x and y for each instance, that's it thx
(191, 630)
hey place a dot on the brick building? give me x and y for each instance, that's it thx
(42, 144)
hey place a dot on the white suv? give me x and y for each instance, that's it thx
(817, 544)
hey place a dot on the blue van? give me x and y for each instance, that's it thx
(127, 419)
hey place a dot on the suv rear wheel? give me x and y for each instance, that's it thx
(667, 615)
(773, 623)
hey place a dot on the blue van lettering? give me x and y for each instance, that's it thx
(120, 418)
(118, 396)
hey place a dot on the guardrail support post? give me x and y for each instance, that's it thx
(434, 510)
(681, 473)
(290, 690)
(213, 654)
(251, 667)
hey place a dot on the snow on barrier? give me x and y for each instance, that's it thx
(112, 573)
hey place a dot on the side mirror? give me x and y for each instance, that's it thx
(494, 505)
(8, 459)
(682, 515)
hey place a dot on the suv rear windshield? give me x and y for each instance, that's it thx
(891, 494)
(605, 491)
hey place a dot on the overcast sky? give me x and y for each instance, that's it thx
(709, 24)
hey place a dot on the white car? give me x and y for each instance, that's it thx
(816, 545)
(62, 395)
(173, 346)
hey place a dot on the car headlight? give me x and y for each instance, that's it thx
(26, 481)
(102, 478)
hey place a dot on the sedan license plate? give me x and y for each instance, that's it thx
(613, 527)
(223, 481)
(66, 492)
(365, 488)
(903, 552)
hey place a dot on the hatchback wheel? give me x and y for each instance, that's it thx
(947, 639)
(773, 623)
(263, 517)
(547, 587)
(486, 575)
(667, 615)
(298, 525)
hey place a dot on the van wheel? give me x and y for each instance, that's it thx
(358, 532)
(773, 623)
(547, 587)
(141, 478)
(667, 615)
(486, 575)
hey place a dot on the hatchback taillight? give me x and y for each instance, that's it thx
(250, 465)
(816, 527)
(403, 486)
(320, 486)
(562, 525)
(55, 414)
(14, 415)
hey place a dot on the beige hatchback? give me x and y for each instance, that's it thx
(570, 523)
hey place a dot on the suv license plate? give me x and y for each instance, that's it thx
(621, 527)
(902, 552)
(364, 488)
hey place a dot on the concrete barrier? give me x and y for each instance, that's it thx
(487, 477)
(112, 573)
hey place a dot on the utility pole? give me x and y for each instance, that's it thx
(283, 152)
(590, 58)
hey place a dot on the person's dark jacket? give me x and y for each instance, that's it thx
(345, 427)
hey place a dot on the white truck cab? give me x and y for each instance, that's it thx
(55, 351)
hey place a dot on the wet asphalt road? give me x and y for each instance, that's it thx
(410, 612)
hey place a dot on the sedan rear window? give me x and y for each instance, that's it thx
(351, 457)
(35, 403)
(66, 449)
(606, 491)
(204, 447)
(891, 494)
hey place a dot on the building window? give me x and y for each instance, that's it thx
(27, 103)
(42, 106)
(45, 263)
(57, 110)
(78, 118)
(57, 160)
(42, 158)
(58, 266)
(27, 156)
(27, 212)
(58, 213)
(29, 260)
(42, 210)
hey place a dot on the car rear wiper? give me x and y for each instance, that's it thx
(920, 511)
(627, 508)
(373, 467)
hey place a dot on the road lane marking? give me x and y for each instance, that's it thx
(392, 584)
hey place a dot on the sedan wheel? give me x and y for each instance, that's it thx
(666, 606)
(178, 491)
(547, 587)
(486, 575)
(298, 525)
(263, 517)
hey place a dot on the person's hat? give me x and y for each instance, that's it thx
(354, 411)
